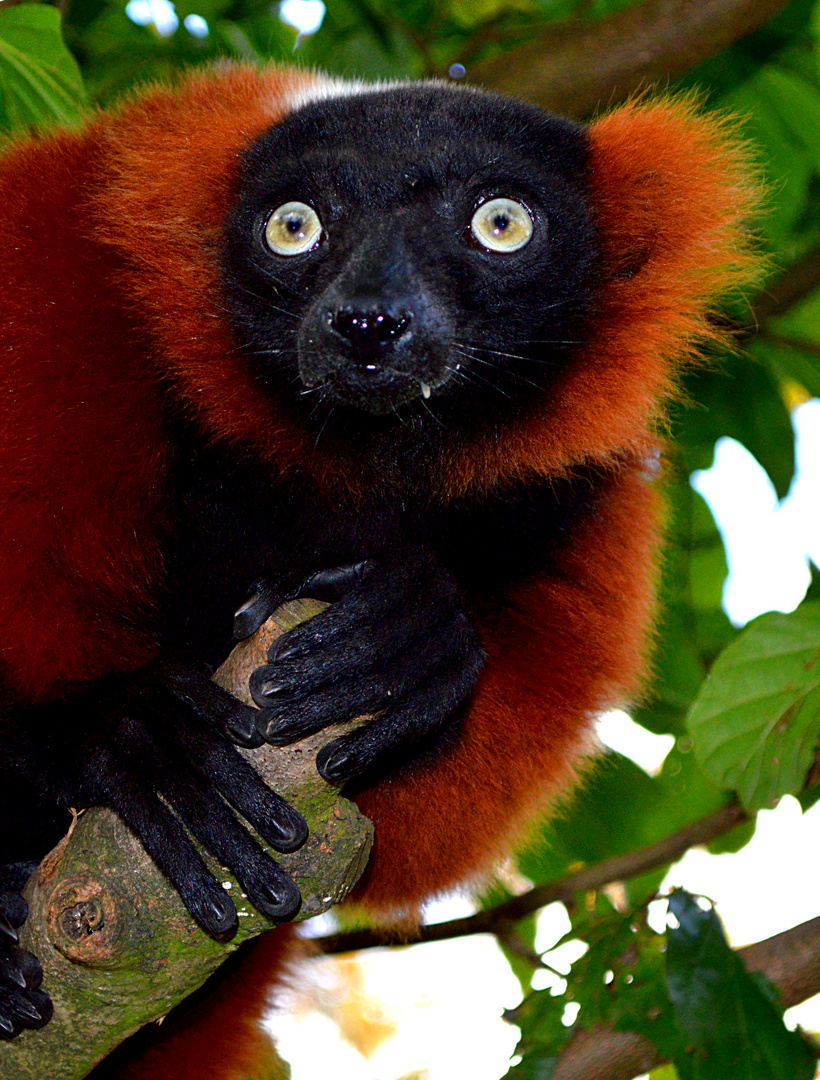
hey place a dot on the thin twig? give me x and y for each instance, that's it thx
(509, 937)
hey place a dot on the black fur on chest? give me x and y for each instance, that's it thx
(236, 523)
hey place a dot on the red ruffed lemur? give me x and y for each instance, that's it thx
(403, 347)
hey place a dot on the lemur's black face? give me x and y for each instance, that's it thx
(424, 247)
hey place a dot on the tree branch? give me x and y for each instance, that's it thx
(577, 67)
(496, 920)
(791, 960)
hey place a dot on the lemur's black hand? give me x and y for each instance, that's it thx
(264, 597)
(22, 1003)
(157, 749)
(395, 640)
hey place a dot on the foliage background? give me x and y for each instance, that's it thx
(747, 736)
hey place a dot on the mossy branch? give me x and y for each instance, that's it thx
(117, 946)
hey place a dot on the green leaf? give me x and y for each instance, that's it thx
(733, 841)
(688, 792)
(808, 798)
(40, 82)
(787, 170)
(756, 723)
(794, 350)
(723, 73)
(733, 1025)
(356, 41)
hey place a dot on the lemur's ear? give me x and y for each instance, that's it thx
(672, 191)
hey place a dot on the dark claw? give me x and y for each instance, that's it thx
(281, 733)
(37, 1010)
(7, 929)
(243, 731)
(29, 967)
(333, 583)
(279, 649)
(292, 835)
(10, 973)
(221, 913)
(212, 703)
(333, 765)
(284, 899)
(28, 1011)
(23, 1009)
(217, 916)
(266, 691)
(255, 610)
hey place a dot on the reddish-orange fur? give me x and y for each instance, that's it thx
(82, 403)
(669, 198)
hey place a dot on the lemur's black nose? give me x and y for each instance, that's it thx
(369, 331)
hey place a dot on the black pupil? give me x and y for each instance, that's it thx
(293, 224)
(500, 222)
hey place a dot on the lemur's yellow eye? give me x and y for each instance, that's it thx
(501, 225)
(293, 229)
